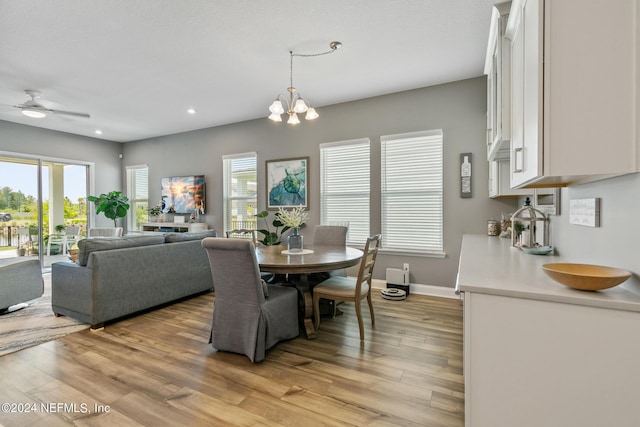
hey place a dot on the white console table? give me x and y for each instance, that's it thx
(176, 227)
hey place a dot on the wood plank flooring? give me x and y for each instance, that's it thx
(157, 369)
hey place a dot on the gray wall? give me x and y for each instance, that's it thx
(458, 108)
(615, 242)
(107, 168)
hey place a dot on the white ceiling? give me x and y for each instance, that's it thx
(137, 65)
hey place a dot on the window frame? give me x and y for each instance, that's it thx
(430, 208)
(227, 184)
(358, 218)
(132, 194)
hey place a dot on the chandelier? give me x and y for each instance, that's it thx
(296, 104)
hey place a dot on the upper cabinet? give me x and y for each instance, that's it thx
(497, 68)
(574, 89)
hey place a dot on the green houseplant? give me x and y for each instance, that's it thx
(295, 218)
(113, 205)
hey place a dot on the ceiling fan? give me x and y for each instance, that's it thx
(32, 108)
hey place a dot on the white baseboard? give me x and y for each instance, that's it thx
(418, 289)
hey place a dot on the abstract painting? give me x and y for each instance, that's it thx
(287, 183)
(183, 194)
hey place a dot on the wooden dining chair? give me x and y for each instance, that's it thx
(242, 233)
(349, 289)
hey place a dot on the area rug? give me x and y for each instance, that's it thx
(35, 324)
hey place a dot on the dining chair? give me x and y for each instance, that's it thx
(249, 316)
(246, 233)
(349, 289)
(242, 233)
(330, 235)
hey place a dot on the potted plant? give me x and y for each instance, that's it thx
(60, 228)
(293, 219)
(113, 205)
(154, 213)
(271, 237)
(73, 252)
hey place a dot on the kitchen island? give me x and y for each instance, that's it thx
(537, 353)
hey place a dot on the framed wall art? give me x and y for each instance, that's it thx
(183, 194)
(287, 183)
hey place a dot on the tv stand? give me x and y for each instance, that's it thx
(173, 227)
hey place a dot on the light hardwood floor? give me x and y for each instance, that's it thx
(157, 369)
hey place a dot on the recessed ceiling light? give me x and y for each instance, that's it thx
(191, 111)
(98, 132)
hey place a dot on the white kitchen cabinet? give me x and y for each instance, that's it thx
(574, 90)
(499, 181)
(539, 363)
(537, 353)
(497, 68)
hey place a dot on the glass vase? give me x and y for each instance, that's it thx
(295, 241)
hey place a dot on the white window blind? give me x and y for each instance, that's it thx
(344, 187)
(240, 191)
(412, 191)
(138, 194)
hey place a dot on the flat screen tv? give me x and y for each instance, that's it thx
(183, 194)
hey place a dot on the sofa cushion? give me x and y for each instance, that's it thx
(86, 246)
(183, 237)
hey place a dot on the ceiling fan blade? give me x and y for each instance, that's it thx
(71, 113)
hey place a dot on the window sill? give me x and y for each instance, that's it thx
(408, 252)
(413, 253)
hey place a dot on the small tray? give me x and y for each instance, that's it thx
(538, 250)
(304, 252)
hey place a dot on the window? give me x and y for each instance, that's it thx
(412, 191)
(138, 193)
(344, 187)
(240, 191)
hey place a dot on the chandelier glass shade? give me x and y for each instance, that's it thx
(295, 104)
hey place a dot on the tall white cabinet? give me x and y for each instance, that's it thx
(498, 71)
(574, 90)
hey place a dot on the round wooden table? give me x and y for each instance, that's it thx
(298, 267)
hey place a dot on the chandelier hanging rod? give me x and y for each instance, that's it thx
(296, 104)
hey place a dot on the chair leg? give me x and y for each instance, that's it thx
(373, 319)
(316, 312)
(359, 316)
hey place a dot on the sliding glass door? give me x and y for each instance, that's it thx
(43, 209)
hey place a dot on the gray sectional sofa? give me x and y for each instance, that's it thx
(117, 277)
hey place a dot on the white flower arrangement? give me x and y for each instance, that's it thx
(294, 218)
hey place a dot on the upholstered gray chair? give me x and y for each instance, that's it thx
(349, 288)
(330, 235)
(249, 316)
(20, 282)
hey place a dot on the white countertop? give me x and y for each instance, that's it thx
(490, 265)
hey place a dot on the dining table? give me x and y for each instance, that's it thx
(296, 268)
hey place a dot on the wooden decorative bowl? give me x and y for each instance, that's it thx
(586, 277)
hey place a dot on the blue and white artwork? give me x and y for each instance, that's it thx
(287, 183)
